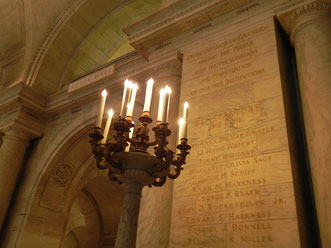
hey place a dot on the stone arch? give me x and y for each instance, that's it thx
(71, 175)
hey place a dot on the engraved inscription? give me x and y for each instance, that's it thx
(236, 189)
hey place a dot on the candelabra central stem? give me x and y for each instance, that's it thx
(127, 229)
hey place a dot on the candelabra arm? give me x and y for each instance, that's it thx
(99, 161)
(127, 137)
(153, 143)
(160, 182)
(114, 166)
(181, 157)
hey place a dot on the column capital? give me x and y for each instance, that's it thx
(15, 132)
(314, 12)
(22, 111)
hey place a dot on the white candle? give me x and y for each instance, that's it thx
(106, 131)
(148, 96)
(127, 148)
(165, 104)
(101, 109)
(126, 97)
(185, 117)
(132, 100)
(159, 113)
(180, 133)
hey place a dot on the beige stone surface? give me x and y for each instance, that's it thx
(155, 213)
(312, 39)
(12, 153)
(236, 189)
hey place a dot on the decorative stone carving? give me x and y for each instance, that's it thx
(315, 11)
(63, 174)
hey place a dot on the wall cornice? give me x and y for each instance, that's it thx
(21, 108)
(175, 19)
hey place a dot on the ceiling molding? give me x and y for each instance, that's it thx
(42, 51)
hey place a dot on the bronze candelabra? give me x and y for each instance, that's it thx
(136, 167)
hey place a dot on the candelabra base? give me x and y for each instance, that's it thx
(139, 169)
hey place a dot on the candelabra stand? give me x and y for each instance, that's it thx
(137, 168)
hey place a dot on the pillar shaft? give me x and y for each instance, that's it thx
(12, 152)
(127, 229)
(311, 36)
(155, 214)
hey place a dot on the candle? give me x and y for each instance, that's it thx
(105, 132)
(148, 95)
(101, 109)
(159, 113)
(127, 148)
(126, 97)
(132, 100)
(181, 125)
(165, 104)
(185, 117)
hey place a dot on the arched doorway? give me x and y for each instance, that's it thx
(74, 203)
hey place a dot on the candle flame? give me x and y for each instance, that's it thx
(150, 81)
(185, 104)
(134, 86)
(181, 121)
(128, 83)
(110, 112)
(167, 89)
(104, 93)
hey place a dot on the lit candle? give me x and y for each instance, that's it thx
(132, 100)
(127, 148)
(102, 106)
(165, 104)
(181, 125)
(126, 97)
(185, 117)
(148, 96)
(159, 113)
(106, 131)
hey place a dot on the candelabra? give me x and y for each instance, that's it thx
(113, 156)
(128, 161)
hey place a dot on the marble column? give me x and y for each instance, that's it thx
(310, 33)
(127, 229)
(12, 151)
(154, 223)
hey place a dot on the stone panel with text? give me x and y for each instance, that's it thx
(236, 189)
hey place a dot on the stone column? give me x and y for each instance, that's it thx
(154, 224)
(139, 169)
(127, 229)
(12, 151)
(310, 31)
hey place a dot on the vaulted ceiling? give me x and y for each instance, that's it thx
(48, 43)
